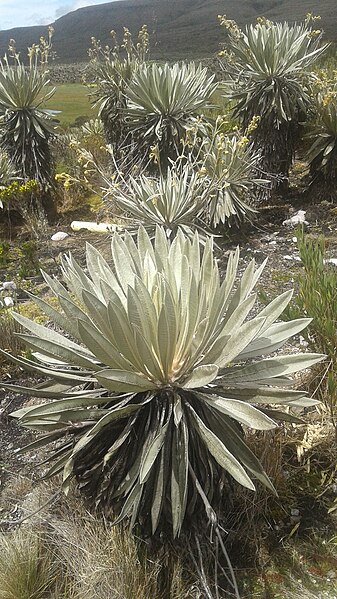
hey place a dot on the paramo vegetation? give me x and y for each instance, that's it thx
(163, 369)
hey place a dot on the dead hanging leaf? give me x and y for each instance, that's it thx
(294, 529)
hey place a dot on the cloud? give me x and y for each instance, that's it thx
(63, 10)
(19, 13)
(37, 19)
(83, 3)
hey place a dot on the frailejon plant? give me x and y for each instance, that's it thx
(231, 170)
(322, 154)
(173, 200)
(265, 75)
(157, 373)
(163, 102)
(25, 127)
(114, 67)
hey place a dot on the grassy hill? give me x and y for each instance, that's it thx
(179, 28)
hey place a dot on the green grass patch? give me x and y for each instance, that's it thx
(72, 99)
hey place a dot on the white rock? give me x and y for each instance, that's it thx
(296, 258)
(303, 342)
(297, 219)
(9, 285)
(331, 261)
(59, 236)
(8, 302)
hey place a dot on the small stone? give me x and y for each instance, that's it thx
(295, 512)
(9, 285)
(59, 236)
(303, 342)
(296, 258)
(8, 302)
(297, 219)
(331, 261)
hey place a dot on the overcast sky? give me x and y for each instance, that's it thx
(23, 13)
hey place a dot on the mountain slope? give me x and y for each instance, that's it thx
(178, 28)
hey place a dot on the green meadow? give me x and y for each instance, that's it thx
(72, 99)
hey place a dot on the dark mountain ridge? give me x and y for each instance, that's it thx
(178, 28)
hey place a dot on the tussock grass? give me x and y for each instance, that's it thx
(64, 552)
(101, 561)
(26, 569)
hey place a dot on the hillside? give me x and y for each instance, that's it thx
(179, 28)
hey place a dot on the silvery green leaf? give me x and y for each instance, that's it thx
(123, 334)
(105, 351)
(274, 337)
(97, 266)
(124, 381)
(60, 319)
(241, 411)
(50, 394)
(201, 376)
(262, 395)
(72, 377)
(275, 308)
(49, 334)
(271, 368)
(65, 355)
(239, 339)
(60, 404)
